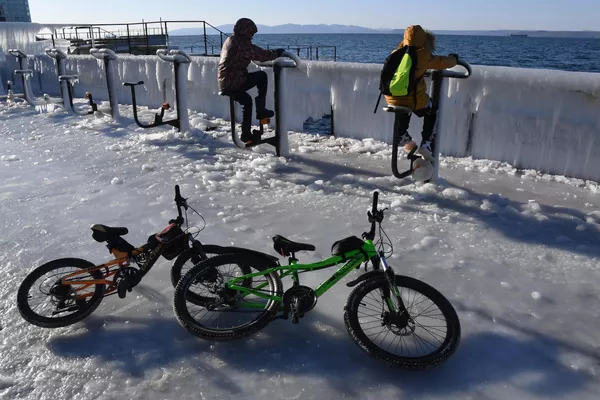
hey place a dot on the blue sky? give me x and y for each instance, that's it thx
(432, 14)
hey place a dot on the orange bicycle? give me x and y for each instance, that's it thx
(70, 289)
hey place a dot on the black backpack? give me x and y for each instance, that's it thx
(398, 73)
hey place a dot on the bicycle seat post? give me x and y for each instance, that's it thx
(293, 260)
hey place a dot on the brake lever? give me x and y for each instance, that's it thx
(178, 221)
(377, 217)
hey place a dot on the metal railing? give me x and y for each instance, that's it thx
(311, 51)
(148, 37)
(133, 38)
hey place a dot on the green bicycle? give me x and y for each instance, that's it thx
(234, 295)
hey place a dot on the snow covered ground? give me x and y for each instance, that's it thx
(516, 252)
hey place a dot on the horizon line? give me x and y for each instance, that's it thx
(292, 23)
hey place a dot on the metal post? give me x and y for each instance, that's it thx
(334, 53)
(128, 39)
(146, 34)
(181, 96)
(167, 34)
(332, 122)
(437, 79)
(277, 72)
(317, 53)
(176, 65)
(205, 44)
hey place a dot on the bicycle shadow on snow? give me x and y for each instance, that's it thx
(137, 345)
(318, 352)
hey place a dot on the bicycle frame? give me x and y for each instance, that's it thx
(354, 259)
(121, 262)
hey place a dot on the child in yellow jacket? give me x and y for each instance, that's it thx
(418, 100)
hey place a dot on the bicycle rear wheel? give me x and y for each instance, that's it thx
(224, 313)
(430, 336)
(59, 305)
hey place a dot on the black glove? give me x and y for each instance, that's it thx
(279, 52)
(454, 55)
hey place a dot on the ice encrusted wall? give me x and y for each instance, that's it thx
(534, 119)
(21, 35)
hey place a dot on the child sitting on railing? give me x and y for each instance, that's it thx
(423, 43)
(234, 78)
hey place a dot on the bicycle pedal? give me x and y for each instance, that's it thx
(265, 121)
(122, 287)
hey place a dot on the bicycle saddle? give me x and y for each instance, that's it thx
(286, 247)
(103, 232)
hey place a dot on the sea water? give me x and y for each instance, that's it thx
(525, 52)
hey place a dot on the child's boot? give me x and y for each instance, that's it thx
(261, 111)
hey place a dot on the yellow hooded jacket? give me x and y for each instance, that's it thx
(425, 43)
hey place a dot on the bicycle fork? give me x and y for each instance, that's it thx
(398, 313)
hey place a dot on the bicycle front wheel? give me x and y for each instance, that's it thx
(429, 337)
(190, 257)
(225, 313)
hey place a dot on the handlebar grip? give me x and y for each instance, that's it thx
(178, 200)
(375, 198)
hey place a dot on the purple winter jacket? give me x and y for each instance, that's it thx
(237, 53)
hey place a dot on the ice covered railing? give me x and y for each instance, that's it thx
(20, 35)
(535, 119)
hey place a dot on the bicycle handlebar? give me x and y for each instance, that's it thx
(374, 217)
(375, 199)
(180, 202)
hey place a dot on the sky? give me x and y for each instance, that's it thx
(434, 14)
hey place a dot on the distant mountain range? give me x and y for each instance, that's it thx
(286, 28)
(324, 28)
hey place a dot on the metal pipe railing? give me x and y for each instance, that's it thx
(147, 36)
